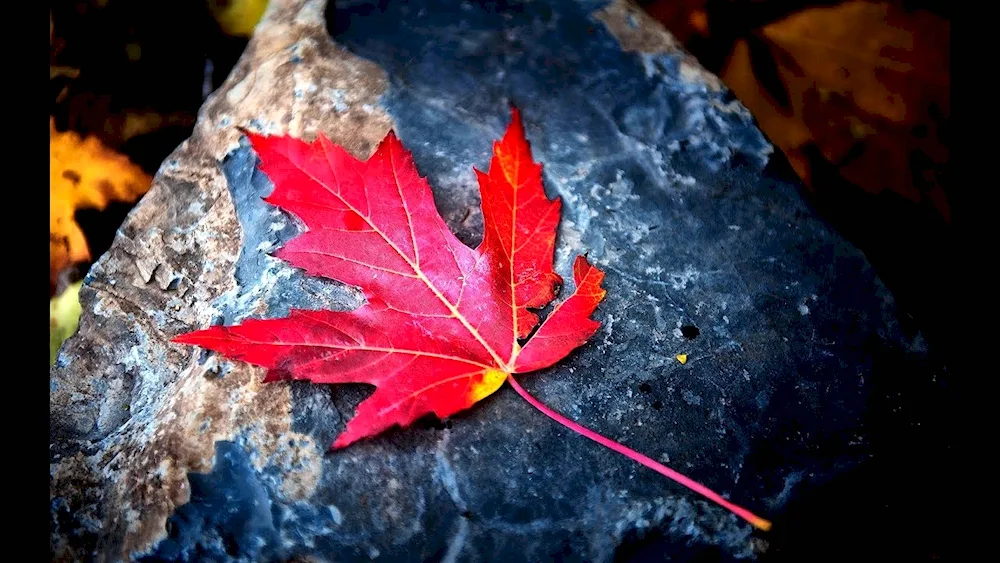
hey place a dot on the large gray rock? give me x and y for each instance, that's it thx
(166, 452)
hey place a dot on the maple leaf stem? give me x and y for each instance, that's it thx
(754, 520)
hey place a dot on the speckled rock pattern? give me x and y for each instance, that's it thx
(163, 452)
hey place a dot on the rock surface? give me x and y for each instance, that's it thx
(163, 452)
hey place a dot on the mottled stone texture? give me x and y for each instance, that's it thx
(163, 452)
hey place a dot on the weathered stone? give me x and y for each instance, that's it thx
(166, 452)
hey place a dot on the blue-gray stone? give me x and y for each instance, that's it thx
(790, 336)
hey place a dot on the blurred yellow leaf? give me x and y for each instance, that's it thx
(64, 316)
(237, 17)
(83, 173)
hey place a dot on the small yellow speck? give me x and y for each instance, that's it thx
(682, 358)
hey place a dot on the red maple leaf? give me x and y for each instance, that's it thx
(444, 325)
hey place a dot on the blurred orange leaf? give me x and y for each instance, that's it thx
(864, 83)
(83, 173)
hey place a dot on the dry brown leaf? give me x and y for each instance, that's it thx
(858, 79)
(781, 125)
(83, 173)
(889, 61)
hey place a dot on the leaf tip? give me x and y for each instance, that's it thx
(585, 272)
(258, 141)
(391, 139)
(515, 114)
(342, 442)
(389, 145)
(514, 135)
(249, 134)
(186, 338)
(581, 262)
